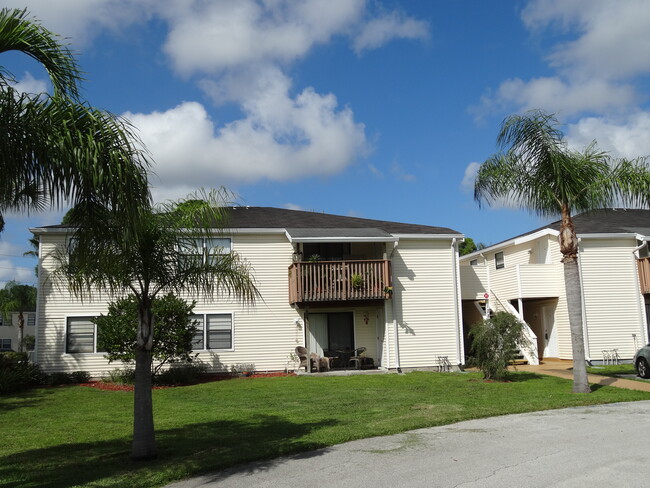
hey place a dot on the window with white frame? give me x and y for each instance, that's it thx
(473, 262)
(498, 260)
(195, 251)
(31, 319)
(5, 344)
(81, 335)
(214, 331)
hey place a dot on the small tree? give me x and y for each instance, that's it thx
(495, 344)
(172, 337)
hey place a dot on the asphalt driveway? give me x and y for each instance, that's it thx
(604, 445)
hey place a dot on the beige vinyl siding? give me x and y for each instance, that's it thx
(611, 296)
(425, 303)
(264, 334)
(474, 281)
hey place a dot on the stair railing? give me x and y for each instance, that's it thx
(528, 344)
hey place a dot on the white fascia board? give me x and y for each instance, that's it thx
(225, 231)
(340, 239)
(429, 236)
(512, 242)
(45, 230)
(613, 235)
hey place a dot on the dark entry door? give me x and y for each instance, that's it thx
(340, 328)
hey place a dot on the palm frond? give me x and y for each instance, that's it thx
(20, 33)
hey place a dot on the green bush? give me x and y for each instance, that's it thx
(494, 344)
(121, 376)
(185, 374)
(17, 373)
(60, 378)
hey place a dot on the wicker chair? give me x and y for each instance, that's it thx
(301, 352)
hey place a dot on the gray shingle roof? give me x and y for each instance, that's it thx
(603, 221)
(282, 218)
(270, 217)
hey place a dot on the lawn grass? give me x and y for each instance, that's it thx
(612, 370)
(55, 437)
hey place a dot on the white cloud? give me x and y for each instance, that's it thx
(240, 49)
(29, 84)
(82, 21)
(613, 40)
(557, 96)
(607, 47)
(378, 31)
(281, 138)
(627, 138)
(212, 36)
(469, 177)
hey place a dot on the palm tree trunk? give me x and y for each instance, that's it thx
(574, 304)
(144, 441)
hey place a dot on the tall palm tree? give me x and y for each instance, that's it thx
(536, 170)
(56, 148)
(173, 251)
(20, 299)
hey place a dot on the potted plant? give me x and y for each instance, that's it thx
(357, 281)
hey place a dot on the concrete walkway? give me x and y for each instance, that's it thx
(563, 369)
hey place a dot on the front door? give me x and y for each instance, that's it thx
(550, 331)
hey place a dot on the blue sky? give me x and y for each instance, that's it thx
(380, 109)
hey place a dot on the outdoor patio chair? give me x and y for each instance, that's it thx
(301, 352)
(357, 359)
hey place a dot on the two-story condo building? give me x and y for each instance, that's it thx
(524, 275)
(327, 282)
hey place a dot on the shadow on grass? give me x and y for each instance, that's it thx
(190, 450)
(24, 399)
(521, 376)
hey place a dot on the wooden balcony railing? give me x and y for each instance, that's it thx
(643, 265)
(340, 280)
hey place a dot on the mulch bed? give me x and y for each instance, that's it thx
(101, 385)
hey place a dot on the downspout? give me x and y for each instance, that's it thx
(641, 301)
(457, 306)
(585, 332)
(306, 318)
(34, 358)
(395, 331)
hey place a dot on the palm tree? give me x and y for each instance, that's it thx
(537, 171)
(173, 251)
(56, 148)
(17, 298)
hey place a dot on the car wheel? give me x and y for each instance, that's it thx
(642, 368)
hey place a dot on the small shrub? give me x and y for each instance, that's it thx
(121, 376)
(185, 374)
(80, 376)
(494, 344)
(17, 373)
(74, 378)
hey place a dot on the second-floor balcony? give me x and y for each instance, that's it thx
(332, 281)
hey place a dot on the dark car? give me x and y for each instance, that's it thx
(642, 361)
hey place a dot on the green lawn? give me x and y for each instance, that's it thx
(52, 436)
(613, 370)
